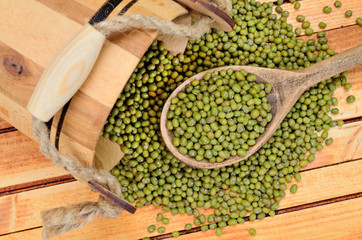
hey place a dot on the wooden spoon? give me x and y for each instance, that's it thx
(288, 86)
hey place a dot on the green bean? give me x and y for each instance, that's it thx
(165, 220)
(218, 231)
(159, 216)
(204, 228)
(327, 9)
(335, 110)
(296, 5)
(298, 177)
(298, 31)
(197, 222)
(161, 229)
(322, 25)
(151, 228)
(294, 188)
(175, 234)
(359, 21)
(351, 99)
(309, 31)
(329, 141)
(300, 18)
(202, 218)
(337, 4)
(305, 24)
(348, 13)
(252, 231)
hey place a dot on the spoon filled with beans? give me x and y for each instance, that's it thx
(224, 115)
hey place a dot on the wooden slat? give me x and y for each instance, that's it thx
(313, 12)
(21, 162)
(341, 40)
(31, 204)
(33, 166)
(4, 124)
(332, 221)
(74, 10)
(347, 146)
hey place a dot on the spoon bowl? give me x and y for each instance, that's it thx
(288, 86)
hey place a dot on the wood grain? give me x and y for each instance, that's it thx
(22, 162)
(173, 44)
(29, 204)
(78, 11)
(341, 40)
(221, 19)
(66, 72)
(313, 12)
(4, 124)
(332, 221)
(347, 146)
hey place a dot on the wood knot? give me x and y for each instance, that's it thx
(12, 66)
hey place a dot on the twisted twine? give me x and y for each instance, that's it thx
(60, 220)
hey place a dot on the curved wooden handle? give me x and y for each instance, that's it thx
(66, 72)
(330, 67)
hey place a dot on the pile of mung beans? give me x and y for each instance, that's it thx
(220, 116)
(245, 191)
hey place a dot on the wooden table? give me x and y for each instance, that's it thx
(328, 204)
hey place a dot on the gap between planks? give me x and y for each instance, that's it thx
(28, 205)
(43, 183)
(9, 129)
(281, 213)
(352, 129)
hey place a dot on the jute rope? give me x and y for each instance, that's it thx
(60, 220)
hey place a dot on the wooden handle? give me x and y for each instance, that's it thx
(66, 72)
(331, 66)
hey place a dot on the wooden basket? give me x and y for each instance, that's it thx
(75, 130)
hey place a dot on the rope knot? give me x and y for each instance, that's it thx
(108, 209)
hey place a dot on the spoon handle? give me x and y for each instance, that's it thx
(331, 66)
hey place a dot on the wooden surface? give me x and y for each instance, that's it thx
(327, 205)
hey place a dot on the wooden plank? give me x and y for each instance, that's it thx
(4, 124)
(75, 10)
(313, 12)
(22, 162)
(29, 204)
(341, 40)
(19, 209)
(347, 146)
(332, 221)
